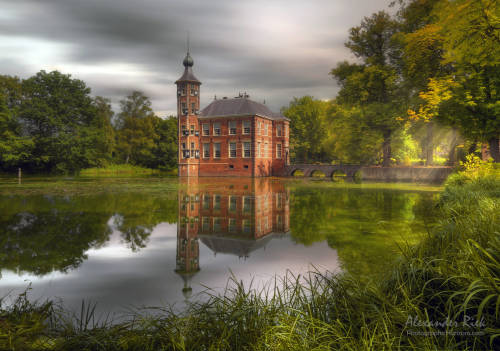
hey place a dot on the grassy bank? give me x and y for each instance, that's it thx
(123, 170)
(441, 294)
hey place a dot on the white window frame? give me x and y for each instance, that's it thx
(215, 129)
(207, 145)
(247, 125)
(244, 150)
(230, 123)
(215, 151)
(206, 131)
(235, 149)
(279, 130)
(278, 151)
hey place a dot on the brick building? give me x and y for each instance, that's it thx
(229, 137)
(236, 217)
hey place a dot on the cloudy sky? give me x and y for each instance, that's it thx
(272, 49)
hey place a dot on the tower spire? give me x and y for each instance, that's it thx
(188, 42)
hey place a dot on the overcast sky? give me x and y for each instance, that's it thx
(272, 49)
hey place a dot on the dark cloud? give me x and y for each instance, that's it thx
(272, 49)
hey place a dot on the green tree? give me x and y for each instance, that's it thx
(350, 139)
(58, 113)
(104, 117)
(466, 95)
(15, 149)
(307, 128)
(165, 151)
(136, 130)
(373, 85)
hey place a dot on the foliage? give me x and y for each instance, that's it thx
(49, 123)
(307, 128)
(373, 86)
(349, 138)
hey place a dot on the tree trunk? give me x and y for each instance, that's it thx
(494, 149)
(429, 147)
(386, 149)
(453, 145)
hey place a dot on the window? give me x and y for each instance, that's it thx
(232, 127)
(216, 202)
(217, 223)
(232, 150)
(206, 202)
(217, 128)
(232, 203)
(193, 108)
(193, 90)
(247, 203)
(266, 147)
(184, 108)
(286, 131)
(246, 127)
(206, 150)
(258, 150)
(232, 225)
(183, 145)
(265, 128)
(184, 130)
(206, 129)
(192, 145)
(258, 128)
(278, 130)
(247, 149)
(247, 227)
(278, 150)
(217, 150)
(205, 224)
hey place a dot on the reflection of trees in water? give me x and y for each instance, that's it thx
(41, 234)
(364, 226)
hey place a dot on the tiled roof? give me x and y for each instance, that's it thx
(238, 107)
(188, 76)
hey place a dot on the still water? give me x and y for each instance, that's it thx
(152, 242)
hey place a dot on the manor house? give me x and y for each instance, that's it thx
(230, 136)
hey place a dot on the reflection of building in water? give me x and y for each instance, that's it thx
(231, 216)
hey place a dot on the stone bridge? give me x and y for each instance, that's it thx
(328, 170)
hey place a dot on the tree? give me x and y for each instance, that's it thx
(58, 113)
(373, 85)
(15, 148)
(136, 130)
(307, 128)
(350, 139)
(104, 117)
(465, 94)
(165, 151)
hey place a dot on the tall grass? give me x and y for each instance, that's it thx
(452, 276)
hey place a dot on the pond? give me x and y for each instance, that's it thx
(158, 241)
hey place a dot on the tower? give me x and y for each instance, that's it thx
(188, 106)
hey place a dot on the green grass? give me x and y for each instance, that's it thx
(452, 274)
(118, 170)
